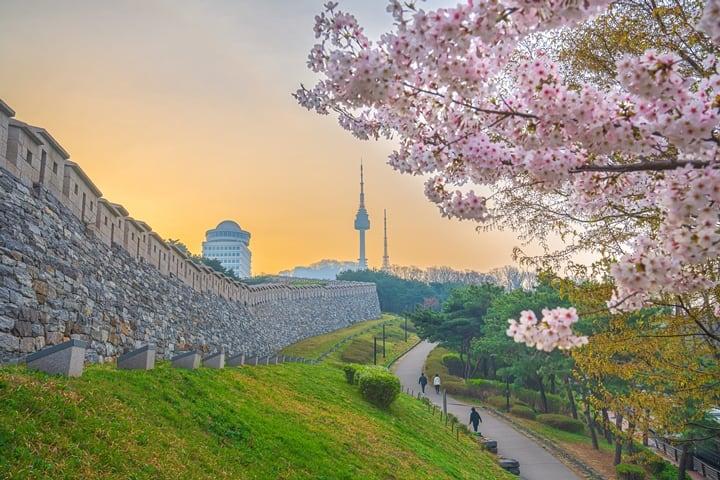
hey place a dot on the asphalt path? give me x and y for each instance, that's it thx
(536, 463)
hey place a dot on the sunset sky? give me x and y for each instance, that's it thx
(181, 111)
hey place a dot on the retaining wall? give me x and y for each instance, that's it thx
(60, 280)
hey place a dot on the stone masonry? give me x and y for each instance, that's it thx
(60, 281)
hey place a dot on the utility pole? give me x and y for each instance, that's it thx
(374, 350)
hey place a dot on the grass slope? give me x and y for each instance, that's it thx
(359, 349)
(313, 347)
(272, 422)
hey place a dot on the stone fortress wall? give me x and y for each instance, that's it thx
(75, 265)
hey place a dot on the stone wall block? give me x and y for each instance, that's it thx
(236, 361)
(187, 360)
(67, 359)
(215, 360)
(139, 359)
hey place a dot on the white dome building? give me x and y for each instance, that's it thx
(229, 244)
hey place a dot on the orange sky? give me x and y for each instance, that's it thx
(181, 111)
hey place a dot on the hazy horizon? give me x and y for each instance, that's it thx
(181, 111)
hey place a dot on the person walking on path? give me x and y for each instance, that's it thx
(422, 381)
(475, 419)
(436, 383)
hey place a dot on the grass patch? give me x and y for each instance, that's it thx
(358, 346)
(290, 421)
(313, 347)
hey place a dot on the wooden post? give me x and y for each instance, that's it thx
(405, 329)
(374, 350)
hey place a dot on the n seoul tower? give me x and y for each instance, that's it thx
(362, 222)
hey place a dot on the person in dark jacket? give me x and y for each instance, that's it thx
(475, 419)
(422, 381)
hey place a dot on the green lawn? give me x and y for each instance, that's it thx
(313, 347)
(358, 345)
(290, 421)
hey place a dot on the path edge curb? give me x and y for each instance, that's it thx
(569, 459)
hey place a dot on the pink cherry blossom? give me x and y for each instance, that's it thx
(472, 113)
(551, 332)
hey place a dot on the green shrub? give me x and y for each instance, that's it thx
(523, 412)
(497, 401)
(453, 363)
(649, 461)
(556, 404)
(350, 370)
(377, 385)
(486, 388)
(562, 422)
(626, 471)
(669, 472)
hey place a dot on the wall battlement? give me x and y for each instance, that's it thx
(75, 265)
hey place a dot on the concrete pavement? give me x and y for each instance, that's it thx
(536, 463)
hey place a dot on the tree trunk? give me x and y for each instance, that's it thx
(571, 398)
(618, 439)
(552, 384)
(591, 423)
(631, 435)
(543, 397)
(683, 464)
(606, 426)
(507, 394)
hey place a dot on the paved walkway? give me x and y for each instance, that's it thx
(536, 463)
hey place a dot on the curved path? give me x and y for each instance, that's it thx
(536, 463)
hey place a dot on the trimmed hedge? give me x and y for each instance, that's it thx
(453, 363)
(377, 385)
(482, 388)
(649, 461)
(626, 471)
(497, 401)
(350, 370)
(561, 422)
(523, 412)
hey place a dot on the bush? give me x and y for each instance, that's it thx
(556, 404)
(669, 472)
(626, 471)
(453, 363)
(523, 412)
(649, 461)
(562, 422)
(486, 388)
(350, 370)
(497, 401)
(377, 385)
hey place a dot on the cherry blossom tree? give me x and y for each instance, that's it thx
(493, 121)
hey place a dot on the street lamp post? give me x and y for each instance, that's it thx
(374, 350)
(383, 340)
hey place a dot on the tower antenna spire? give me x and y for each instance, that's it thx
(362, 221)
(362, 186)
(386, 257)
